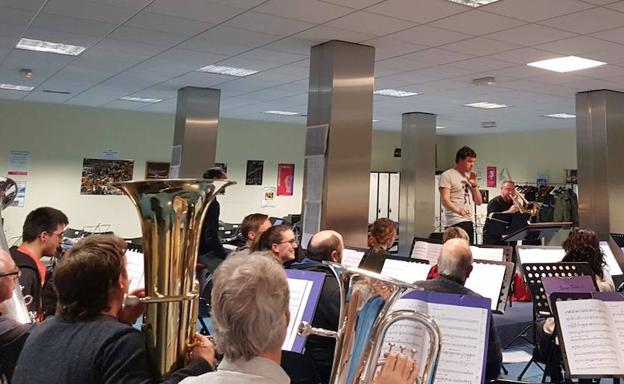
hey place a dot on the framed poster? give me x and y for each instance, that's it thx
(156, 170)
(99, 174)
(285, 179)
(491, 176)
(255, 168)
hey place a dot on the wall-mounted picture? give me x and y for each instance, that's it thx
(99, 174)
(155, 170)
(285, 179)
(255, 168)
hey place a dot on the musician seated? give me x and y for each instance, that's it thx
(251, 314)
(504, 203)
(251, 228)
(279, 240)
(380, 238)
(12, 334)
(449, 233)
(90, 340)
(455, 265)
(324, 246)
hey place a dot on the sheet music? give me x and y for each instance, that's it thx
(590, 345)
(464, 331)
(351, 258)
(616, 309)
(540, 255)
(405, 271)
(614, 267)
(490, 254)
(299, 294)
(136, 271)
(426, 251)
(487, 280)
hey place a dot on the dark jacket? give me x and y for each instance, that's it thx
(494, 355)
(321, 349)
(12, 338)
(209, 242)
(30, 280)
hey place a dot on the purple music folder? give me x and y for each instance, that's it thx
(462, 301)
(572, 284)
(317, 279)
(608, 296)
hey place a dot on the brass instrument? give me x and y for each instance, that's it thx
(524, 206)
(172, 213)
(366, 314)
(15, 307)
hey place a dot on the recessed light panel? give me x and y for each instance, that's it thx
(474, 3)
(141, 99)
(394, 93)
(49, 47)
(440, 127)
(486, 105)
(566, 64)
(561, 116)
(13, 87)
(230, 71)
(282, 113)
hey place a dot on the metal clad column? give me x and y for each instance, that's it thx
(416, 205)
(341, 97)
(599, 139)
(195, 135)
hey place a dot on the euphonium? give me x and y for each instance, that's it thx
(172, 212)
(366, 313)
(15, 307)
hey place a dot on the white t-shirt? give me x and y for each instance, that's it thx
(460, 195)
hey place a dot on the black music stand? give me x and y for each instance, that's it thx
(561, 296)
(501, 303)
(533, 273)
(541, 229)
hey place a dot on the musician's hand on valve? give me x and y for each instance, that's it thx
(513, 209)
(130, 313)
(398, 369)
(204, 348)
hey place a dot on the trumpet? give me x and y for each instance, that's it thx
(523, 205)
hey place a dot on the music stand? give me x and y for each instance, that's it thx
(501, 301)
(561, 296)
(533, 273)
(542, 229)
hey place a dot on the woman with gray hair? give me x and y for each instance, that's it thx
(250, 313)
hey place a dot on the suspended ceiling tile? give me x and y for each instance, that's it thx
(228, 40)
(386, 47)
(325, 33)
(371, 23)
(480, 46)
(169, 24)
(536, 10)
(261, 22)
(148, 37)
(72, 25)
(304, 10)
(588, 21)
(531, 34)
(430, 36)
(195, 9)
(355, 4)
(414, 10)
(477, 22)
(89, 10)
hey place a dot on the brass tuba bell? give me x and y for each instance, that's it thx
(366, 314)
(172, 213)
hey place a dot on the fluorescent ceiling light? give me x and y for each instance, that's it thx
(394, 93)
(230, 71)
(486, 105)
(474, 3)
(440, 127)
(13, 87)
(375, 121)
(50, 47)
(282, 113)
(566, 64)
(141, 99)
(561, 116)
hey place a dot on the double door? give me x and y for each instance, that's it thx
(384, 196)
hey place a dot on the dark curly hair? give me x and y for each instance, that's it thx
(582, 246)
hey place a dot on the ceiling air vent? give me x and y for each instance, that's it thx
(488, 124)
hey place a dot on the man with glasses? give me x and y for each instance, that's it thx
(42, 234)
(12, 334)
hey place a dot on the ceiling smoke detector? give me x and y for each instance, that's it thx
(488, 80)
(488, 124)
(26, 72)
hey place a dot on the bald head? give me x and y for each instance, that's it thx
(456, 259)
(7, 283)
(6, 262)
(326, 245)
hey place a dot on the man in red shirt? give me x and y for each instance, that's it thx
(41, 235)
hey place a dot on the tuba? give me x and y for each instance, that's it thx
(172, 213)
(366, 314)
(15, 307)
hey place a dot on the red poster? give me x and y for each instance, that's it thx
(285, 179)
(491, 177)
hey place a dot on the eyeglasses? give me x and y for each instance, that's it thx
(291, 241)
(17, 274)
